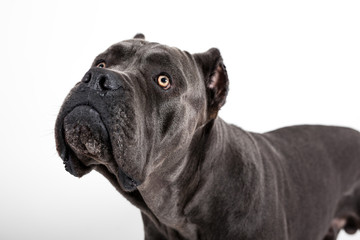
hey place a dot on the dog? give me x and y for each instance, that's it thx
(145, 116)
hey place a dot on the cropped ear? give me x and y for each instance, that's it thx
(139, 36)
(216, 79)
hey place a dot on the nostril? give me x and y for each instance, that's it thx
(102, 80)
(87, 77)
(104, 83)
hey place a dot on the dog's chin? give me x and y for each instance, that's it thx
(84, 143)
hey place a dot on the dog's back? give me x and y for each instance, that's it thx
(314, 168)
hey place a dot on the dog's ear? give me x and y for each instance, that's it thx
(216, 80)
(139, 36)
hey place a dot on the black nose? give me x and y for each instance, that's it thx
(102, 79)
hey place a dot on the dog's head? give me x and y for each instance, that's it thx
(137, 108)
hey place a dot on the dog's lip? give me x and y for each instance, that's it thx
(69, 158)
(128, 184)
(85, 133)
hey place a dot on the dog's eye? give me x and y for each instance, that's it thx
(163, 81)
(101, 65)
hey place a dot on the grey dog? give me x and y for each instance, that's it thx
(145, 116)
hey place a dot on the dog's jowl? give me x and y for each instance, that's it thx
(145, 115)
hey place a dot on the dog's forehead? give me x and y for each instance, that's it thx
(141, 49)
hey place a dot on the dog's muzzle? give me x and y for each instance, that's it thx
(85, 143)
(82, 140)
(82, 137)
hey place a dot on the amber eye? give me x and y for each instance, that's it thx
(163, 81)
(101, 65)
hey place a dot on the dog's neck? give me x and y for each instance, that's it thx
(171, 197)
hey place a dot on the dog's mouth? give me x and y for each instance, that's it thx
(83, 142)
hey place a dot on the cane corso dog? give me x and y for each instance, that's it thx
(146, 117)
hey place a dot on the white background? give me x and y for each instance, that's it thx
(288, 63)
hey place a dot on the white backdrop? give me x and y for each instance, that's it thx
(288, 63)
